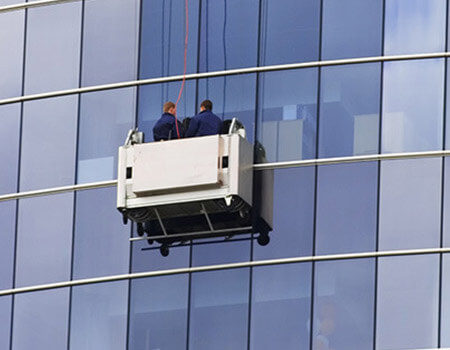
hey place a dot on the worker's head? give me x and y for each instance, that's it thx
(206, 105)
(169, 107)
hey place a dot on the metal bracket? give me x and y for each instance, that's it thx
(160, 221)
(204, 212)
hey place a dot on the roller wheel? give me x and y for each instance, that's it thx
(124, 219)
(164, 250)
(150, 241)
(140, 229)
(263, 239)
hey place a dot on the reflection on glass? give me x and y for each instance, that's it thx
(413, 104)
(99, 316)
(445, 304)
(351, 28)
(5, 321)
(220, 253)
(9, 147)
(148, 258)
(410, 203)
(349, 110)
(446, 204)
(289, 31)
(287, 114)
(407, 302)
(40, 320)
(7, 230)
(414, 26)
(158, 313)
(346, 208)
(281, 307)
(219, 310)
(344, 305)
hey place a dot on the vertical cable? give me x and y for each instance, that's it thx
(224, 43)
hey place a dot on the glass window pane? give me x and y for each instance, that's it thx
(351, 28)
(281, 307)
(410, 203)
(413, 95)
(346, 208)
(229, 34)
(219, 310)
(147, 257)
(9, 147)
(11, 41)
(54, 63)
(110, 41)
(163, 35)
(349, 110)
(41, 320)
(101, 242)
(407, 302)
(105, 118)
(287, 114)
(293, 215)
(5, 321)
(220, 253)
(99, 316)
(446, 203)
(289, 31)
(414, 26)
(8, 234)
(445, 305)
(48, 143)
(158, 313)
(344, 304)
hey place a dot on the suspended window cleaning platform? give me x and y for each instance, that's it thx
(202, 187)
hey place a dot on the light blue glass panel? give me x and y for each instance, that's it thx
(5, 321)
(349, 110)
(11, 41)
(281, 307)
(44, 239)
(346, 208)
(7, 234)
(99, 316)
(219, 310)
(49, 133)
(407, 302)
(414, 26)
(9, 146)
(105, 118)
(447, 101)
(351, 28)
(41, 320)
(220, 253)
(110, 41)
(413, 95)
(293, 215)
(147, 257)
(344, 304)
(101, 242)
(163, 36)
(445, 303)
(446, 203)
(229, 34)
(53, 63)
(410, 203)
(158, 313)
(287, 114)
(289, 31)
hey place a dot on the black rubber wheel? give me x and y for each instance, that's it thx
(164, 250)
(140, 229)
(150, 241)
(263, 239)
(124, 219)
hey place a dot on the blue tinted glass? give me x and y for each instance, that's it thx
(351, 28)
(9, 147)
(49, 132)
(158, 313)
(446, 203)
(101, 243)
(151, 101)
(147, 257)
(53, 63)
(44, 239)
(290, 31)
(7, 230)
(410, 203)
(11, 41)
(287, 114)
(414, 26)
(349, 110)
(281, 307)
(110, 41)
(346, 208)
(229, 34)
(163, 36)
(220, 253)
(105, 118)
(99, 316)
(41, 320)
(293, 215)
(445, 304)
(447, 101)
(5, 321)
(344, 304)
(219, 310)
(407, 288)
(413, 95)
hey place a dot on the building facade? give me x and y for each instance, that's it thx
(370, 78)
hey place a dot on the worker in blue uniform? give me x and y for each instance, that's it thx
(166, 126)
(204, 123)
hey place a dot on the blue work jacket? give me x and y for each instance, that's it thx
(165, 128)
(204, 123)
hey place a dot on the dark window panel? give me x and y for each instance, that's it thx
(8, 234)
(220, 253)
(9, 147)
(5, 321)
